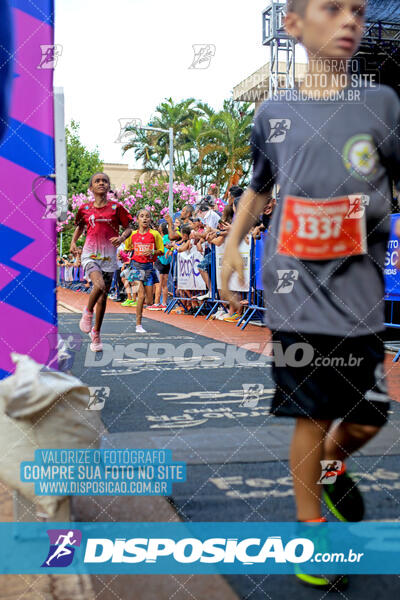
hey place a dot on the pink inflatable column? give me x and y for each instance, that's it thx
(28, 240)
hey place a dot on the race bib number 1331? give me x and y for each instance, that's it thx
(321, 229)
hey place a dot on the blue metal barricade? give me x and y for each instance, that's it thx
(255, 306)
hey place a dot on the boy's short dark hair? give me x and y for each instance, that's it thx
(297, 6)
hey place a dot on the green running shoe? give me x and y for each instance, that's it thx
(330, 583)
(344, 499)
(319, 534)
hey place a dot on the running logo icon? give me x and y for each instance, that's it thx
(329, 471)
(62, 547)
(279, 129)
(287, 279)
(98, 397)
(124, 135)
(63, 347)
(50, 56)
(251, 394)
(203, 54)
(56, 207)
(357, 206)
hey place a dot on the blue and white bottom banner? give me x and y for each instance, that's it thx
(200, 548)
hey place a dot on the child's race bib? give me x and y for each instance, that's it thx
(323, 229)
(141, 249)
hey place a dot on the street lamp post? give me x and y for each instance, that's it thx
(171, 172)
(170, 131)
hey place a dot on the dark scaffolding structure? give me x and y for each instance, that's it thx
(379, 53)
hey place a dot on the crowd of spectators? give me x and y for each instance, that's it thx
(200, 225)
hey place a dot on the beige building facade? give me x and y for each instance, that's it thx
(120, 173)
(255, 88)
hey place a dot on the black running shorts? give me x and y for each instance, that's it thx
(161, 268)
(326, 377)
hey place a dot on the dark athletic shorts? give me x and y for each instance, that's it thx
(161, 268)
(330, 378)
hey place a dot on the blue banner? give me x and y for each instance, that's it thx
(200, 548)
(392, 275)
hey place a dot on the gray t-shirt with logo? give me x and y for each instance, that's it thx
(328, 149)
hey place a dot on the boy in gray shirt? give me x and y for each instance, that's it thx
(333, 149)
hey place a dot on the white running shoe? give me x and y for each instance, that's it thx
(139, 329)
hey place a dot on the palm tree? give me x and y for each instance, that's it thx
(145, 148)
(179, 116)
(153, 147)
(228, 135)
(209, 146)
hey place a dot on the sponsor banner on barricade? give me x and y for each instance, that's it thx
(189, 277)
(234, 285)
(392, 275)
(69, 273)
(200, 548)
